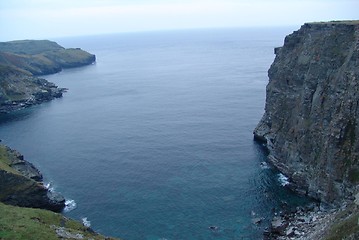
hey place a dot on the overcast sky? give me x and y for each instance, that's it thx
(40, 19)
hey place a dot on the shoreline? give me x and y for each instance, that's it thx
(316, 222)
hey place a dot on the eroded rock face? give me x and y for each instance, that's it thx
(312, 110)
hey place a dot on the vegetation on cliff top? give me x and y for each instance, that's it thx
(27, 223)
(345, 225)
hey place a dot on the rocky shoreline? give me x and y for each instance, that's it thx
(42, 91)
(316, 222)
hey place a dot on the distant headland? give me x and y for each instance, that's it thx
(22, 61)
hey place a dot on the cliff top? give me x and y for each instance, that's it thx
(343, 22)
(29, 47)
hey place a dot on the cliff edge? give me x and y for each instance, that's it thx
(312, 110)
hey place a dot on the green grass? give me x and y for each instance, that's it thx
(18, 223)
(345, 225)
(5, 161)
(29, 46)
(353, 176)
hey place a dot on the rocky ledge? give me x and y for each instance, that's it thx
(21, 183)
(310, 124)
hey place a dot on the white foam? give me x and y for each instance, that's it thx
(49, 187)
(69, 205)
(283, 180)
(264, 165)
(86, 222)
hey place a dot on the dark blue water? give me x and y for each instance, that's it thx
(154, 141)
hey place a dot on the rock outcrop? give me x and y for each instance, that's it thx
(21, 183)
(310, 124)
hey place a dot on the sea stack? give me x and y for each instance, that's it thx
(312, 110)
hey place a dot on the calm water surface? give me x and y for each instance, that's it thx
(154, 141)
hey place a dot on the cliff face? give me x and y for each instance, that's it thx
(21, 183)
(312, 110)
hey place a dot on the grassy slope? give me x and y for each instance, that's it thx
(345, 224)
(4, 161)
(28, 223)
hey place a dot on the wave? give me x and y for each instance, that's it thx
(86, 222)
(69, 205)
(49, 187)
(283, 180)
(264, 165)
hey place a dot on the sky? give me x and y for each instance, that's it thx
(41, 19)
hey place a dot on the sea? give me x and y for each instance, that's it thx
(154, 141)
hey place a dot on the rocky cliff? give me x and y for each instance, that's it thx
(310, 124)
(21, 183)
